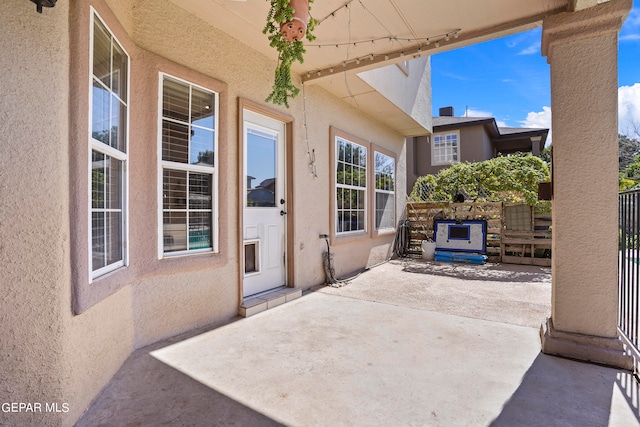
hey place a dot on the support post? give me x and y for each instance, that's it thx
(582, 50)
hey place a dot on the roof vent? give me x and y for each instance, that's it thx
(446, 112)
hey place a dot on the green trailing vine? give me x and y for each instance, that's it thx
(288, 52)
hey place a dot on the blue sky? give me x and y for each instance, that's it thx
(515, 89)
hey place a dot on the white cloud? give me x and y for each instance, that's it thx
(471, 112)
(631, 28)
(539, 119)
(629, 110)
(534, 48)
(630, 37)
(628, 113)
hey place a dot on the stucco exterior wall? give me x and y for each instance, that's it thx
(48, 356)
(32, 309)
(473, 141)
(487, 147)
(411, 92)
(48, 353)
(584, 291)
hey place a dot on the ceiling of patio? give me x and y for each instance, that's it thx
(357, 35)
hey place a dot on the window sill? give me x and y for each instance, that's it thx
(384, 232)
(343, 238)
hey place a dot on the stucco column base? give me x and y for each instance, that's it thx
(601, 350)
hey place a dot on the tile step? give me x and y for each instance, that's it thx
(261, 302)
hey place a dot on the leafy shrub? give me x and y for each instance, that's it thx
(511, 178)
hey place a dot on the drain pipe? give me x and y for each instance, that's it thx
(329, 271)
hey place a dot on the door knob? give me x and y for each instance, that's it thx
(282, 213)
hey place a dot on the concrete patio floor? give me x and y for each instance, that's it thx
(405, 343)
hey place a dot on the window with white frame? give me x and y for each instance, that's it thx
(188, 167)
(351, 186)
(108, 145)
(384, 191)
(446, 148)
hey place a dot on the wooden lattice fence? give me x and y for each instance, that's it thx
(525, 239)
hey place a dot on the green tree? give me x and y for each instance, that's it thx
(628, 150)
(545, 154)
(512, 178)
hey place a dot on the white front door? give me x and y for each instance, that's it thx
(264, 213)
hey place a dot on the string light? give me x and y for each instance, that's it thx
(333, 13)
(415, 52)
(425, 40)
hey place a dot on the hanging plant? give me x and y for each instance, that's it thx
(288, 22)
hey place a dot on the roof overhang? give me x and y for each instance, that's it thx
(356, 35)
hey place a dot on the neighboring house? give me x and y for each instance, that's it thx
(151, 117)
(467, 139)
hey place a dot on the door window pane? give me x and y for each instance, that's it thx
(261, 169)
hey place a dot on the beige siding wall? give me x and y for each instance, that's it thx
(473, 142)
(52, 355)
(475, 146)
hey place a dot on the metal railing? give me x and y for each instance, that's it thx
(629, 265)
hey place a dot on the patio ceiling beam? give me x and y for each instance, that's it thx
(458, 37)
(576, 5)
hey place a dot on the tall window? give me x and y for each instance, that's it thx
(189, 119)
(108, 145)
(445, 148)
(351, 186)
(384, 191)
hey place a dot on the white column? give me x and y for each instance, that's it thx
(582, 50)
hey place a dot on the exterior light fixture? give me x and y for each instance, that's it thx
(43, 3)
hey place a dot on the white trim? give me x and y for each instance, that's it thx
(94, 145)
(258, 256)
(187, 167)
(389, 192)
(364, 189)
(433, 145)
(274, 128)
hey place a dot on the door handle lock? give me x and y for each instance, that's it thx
(282, 201)
(282, 213)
